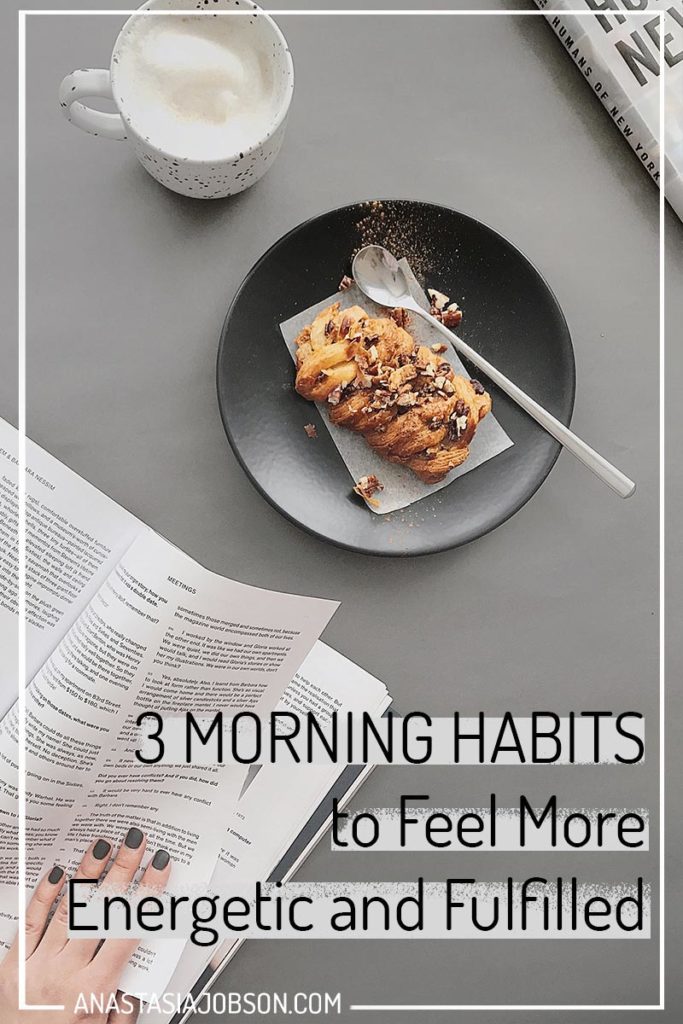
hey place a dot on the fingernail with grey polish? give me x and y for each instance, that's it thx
(134, 838)
(55, 875)
(101, 849)
(161, 859)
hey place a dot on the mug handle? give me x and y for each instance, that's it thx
(88, 83)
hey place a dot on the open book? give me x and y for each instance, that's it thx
(119, 621)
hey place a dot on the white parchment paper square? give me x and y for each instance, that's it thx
(401, 486)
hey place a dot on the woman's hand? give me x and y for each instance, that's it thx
(74, 973)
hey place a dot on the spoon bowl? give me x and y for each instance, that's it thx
(379, 275)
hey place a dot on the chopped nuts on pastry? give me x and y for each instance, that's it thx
(400, 316)
(402, 397)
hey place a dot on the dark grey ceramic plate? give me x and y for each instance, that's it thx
(510, 316)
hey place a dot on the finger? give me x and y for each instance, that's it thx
(93, 864)
(114, 954)
(80, 951)
(38, 911)
(157, 871)
(127, 860)
(119, 877)
(127, 1010)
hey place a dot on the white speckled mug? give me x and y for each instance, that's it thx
(205, 176)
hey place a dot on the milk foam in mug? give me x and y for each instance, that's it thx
(202, 92)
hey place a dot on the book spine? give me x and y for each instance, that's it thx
(674, 189)
(626, 117)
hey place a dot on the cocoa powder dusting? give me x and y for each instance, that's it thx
(398, 230)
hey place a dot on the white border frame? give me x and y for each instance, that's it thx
(21, 381)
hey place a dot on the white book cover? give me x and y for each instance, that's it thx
(616, 46)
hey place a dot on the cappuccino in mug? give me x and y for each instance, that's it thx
(198, 85)
(202, 93)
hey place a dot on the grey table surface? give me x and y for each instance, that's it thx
(127, 288)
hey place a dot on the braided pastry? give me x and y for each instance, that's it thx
(403, 398)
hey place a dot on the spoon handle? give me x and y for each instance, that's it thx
(603, 469)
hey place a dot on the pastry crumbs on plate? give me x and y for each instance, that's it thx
(367, 487)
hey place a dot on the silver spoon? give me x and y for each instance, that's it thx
(379, 276)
